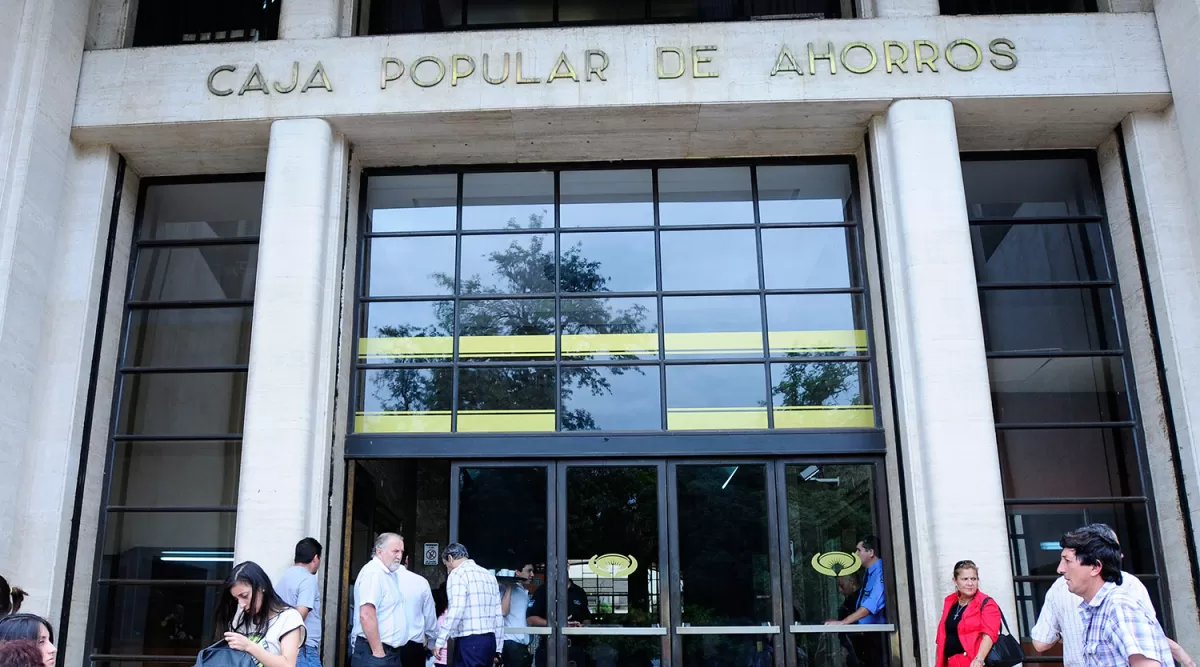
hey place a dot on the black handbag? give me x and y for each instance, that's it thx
(220, 655)
(1006, 651)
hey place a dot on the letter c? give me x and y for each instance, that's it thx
(213, 74)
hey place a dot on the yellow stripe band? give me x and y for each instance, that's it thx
(678, 419)
(583, 345)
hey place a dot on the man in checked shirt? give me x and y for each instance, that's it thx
(1118, 629)
(473, 618)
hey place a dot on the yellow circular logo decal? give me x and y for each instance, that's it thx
(836, 563)
(612, 566)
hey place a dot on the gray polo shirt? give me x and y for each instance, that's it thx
(298, 587)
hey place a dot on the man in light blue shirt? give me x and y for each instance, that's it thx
(872, 603)
(298, 587)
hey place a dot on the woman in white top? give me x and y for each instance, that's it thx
(256, 620)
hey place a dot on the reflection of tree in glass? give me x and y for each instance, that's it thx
(815, 383)
(524, 267)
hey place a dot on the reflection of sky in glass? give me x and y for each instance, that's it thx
(407, 266)
(709, 260)
(630, 402)
(803, 193)
(715, 386)
(830, 383)
(609, 316)
(499, 201)
(813, 312)
(1029, 188)
(626, 260)
(616, 198)
(404, 389)
(416, 203)
(719, 317)
(705, 196)
(807, 258)
(411, 318)
(478, 263)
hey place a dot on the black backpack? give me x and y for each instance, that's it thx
(220, 655)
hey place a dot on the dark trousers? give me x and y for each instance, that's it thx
(475, 651)
(361, 657)
(516, 654)
(412, 654)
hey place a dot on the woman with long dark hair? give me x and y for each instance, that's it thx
(256, 620)
(33, 628)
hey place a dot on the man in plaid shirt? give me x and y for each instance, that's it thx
(1118, 629)
(473, 618)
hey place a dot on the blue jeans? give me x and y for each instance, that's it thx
(308, 657)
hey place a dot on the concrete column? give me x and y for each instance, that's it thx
(283, 493)
(947, 437)
(39, 70)
(1170, 239)
(310, 19)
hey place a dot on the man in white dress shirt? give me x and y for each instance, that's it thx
(422, 619)
(380, 621)
(1060, 619)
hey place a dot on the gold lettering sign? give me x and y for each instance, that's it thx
(670, 62)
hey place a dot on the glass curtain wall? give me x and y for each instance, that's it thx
(403, 16)
(167, 22)
(1066, 418)
(700, 298)
(170, 497)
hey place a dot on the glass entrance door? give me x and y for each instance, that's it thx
(681, 563)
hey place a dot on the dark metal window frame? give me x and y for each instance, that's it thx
(619, 443)
(742, 11)
(1131, 503)
(122, 371)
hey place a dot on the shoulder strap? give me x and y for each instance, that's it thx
(1002, 619)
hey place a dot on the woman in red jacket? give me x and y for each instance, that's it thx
(969, 627)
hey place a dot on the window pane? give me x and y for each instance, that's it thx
(724, 549)
(506, 399)
(168, 545)
(1073, 389)
(804, 193)
(600, 10)
(180, 473)
(716, 397)
(1049, 320)
(713, 326)
(803, 325)
(407, 332)
(709, 260)
(1037, 529)
(411, 266)
(507, 264)
(705, 196)
(616, 198)
(507, 200)
(822, 395)
(845, 648)
(506, 329)
(192, 274)
(611, 398)
(809, 258)
(169, 621)
(607, 262)
(609, 328)
(1039, 253)
(404, 400)
(830, 509)
(1069, 463)
(425, 202)
(202, 211)
(188, 337)
(502, 515)
(182, 403)
(1029, 188)
(492, 12)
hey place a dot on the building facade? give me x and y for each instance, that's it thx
(681, 302)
